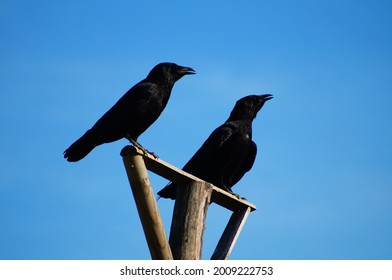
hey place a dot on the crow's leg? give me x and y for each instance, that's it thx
(136, 144)
(223, 187)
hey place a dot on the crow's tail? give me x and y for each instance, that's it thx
(169, 191)
(80, 148)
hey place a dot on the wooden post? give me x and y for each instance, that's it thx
(230, 235)
(146, 204)
(188, 223)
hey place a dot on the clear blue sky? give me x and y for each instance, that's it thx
(322, 180)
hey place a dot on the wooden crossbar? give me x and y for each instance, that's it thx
(178, 176)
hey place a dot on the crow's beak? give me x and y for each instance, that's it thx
(263, 99)
(266, 97)
(187, 71)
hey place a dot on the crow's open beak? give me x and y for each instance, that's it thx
(187, 71)
(262, 99)
(266, 97)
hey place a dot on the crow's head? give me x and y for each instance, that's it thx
(169, 73)
(247, 107)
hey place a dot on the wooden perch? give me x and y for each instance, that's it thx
(192, 200)
(174, 174)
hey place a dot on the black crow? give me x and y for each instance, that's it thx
(133, 113)
(229, 151)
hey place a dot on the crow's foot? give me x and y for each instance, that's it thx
(145, 151)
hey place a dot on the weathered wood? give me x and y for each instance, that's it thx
(193, 198)
(188, 223)
(166, 170)
(230, 201)
(230, 235)
(146, 205)
(174, 174)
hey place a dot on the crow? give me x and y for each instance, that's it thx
(229, 151)
(133, 113)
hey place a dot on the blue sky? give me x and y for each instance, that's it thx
(322, 180)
